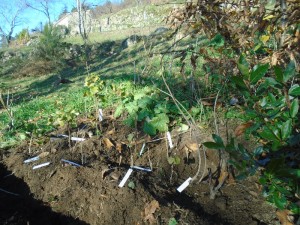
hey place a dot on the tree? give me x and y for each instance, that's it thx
(10, 18)
(82, 8)
(42, 6)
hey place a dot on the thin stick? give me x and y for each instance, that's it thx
(8, 192)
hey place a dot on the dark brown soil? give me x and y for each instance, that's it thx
(65, 194)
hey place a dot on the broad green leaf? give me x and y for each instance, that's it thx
(238, 80)
(119, 111)
(264, 38)
(143, 114)
(160, 122)
(295, 209)
(132, 107)
(243, 66)
(139, 95)
(279, 200)
(268, 134)
(278, 74)
(149, 129)
(130, 121)
(286, 129)
(131, 185)
(218, 139)
(145, 102)
(294, 108)
(183, 127)
(213, 145)
(172, 221)
(217, 41)
(289, 71)
(22, 136)
(294, 90)
(258, 73)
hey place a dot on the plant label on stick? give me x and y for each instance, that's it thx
(169, 140)
(142, 168)
(70, 162)
(41, 165)
(77, 139)
(184, 185)
(32, 159)
(142, 149)
(125, 178)
(100, 115)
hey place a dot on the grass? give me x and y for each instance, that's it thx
(100, 37)
(36, 98)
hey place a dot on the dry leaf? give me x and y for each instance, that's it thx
(43, 154)
(119, 147)
(241, 128)
(283, 217)
(206, 103)
(193, 147)
(108, 143)
(223, 177)
(105, 173)
(112, 131)
(150, 210)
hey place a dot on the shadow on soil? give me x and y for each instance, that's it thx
(23, 209)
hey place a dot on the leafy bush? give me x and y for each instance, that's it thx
(50, 47)
(272, 116)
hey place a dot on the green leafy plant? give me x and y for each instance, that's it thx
(145, 106)
(172, 221)
(273, 110)
(174, 160)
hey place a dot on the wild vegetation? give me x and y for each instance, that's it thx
(223, 62)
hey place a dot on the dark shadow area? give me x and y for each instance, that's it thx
(23, 209)
(183, 201)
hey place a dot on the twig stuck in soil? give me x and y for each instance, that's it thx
(8, 192)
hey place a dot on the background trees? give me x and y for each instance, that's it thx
(10, 18)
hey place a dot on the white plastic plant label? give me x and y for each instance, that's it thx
(77, 139)
(169, 140)
(184, 185)
(70, 162)
(142, 149)
(41, 165)
(31, 159)
(100, 115)
(142, 168)
(125, 178)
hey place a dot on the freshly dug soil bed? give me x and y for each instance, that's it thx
(65, 194)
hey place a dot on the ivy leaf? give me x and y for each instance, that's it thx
(258, 73)
(243, 66)
(294, 108)
(213, 145)
(160, 122)
(289, 71)
(294, 90)
(286, 129)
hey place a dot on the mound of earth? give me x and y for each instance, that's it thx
(62, 193)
